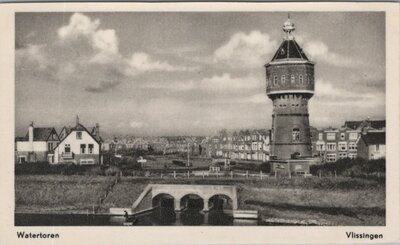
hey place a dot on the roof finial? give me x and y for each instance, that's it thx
(288, 27)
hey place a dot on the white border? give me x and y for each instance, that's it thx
(197, 235)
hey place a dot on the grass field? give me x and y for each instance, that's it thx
(341, 201)
(55, 193)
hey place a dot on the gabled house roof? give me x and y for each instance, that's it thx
(80, 127)
(40, 134)
(374, 138)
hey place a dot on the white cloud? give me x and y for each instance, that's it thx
(173, 85)
(142, 62)
(226, 82)
(328, 94)
(32, 54)
(246, 50)
(135, 124)
(79, 24)
(104, 42)
(319, 51)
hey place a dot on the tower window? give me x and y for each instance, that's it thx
(283, 79)
(296, 135)
(292, 79)
(275, 80)
(301, 79)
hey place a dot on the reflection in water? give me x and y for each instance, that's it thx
(159, 216)
(167, 216)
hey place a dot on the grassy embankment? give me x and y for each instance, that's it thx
(58, 193)
(340, 201)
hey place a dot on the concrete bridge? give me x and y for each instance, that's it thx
(181, 193)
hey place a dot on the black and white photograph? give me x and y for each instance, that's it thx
(200, 118)
(129, 119)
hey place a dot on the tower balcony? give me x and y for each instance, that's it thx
(273, 91)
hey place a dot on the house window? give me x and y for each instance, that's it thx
(342, 155)
(331, 146)
(78, 135)
(67, 148)
(342, 136)
(342, 146)
(320, 136)
(352, 146)
(50, 146)
(377, 147)
(22, 159)
(301, 79)
(292, 79)
(91, 148)
(275, 80)
(83, 148)
(353, 136)
(296, 135)
(320, 147)
(331, 136)
(352, 155)
(331, 157)
(283, 79)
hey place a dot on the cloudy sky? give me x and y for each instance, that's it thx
(189, 73)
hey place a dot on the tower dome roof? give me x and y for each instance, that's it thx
(289, 49)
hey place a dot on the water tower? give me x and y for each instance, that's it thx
(290, 85)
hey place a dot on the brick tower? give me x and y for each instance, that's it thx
(290, 85)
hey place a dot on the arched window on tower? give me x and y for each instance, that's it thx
(283, 79)
(296, 135)
(301, 79)
(292, 79)
(275, 80)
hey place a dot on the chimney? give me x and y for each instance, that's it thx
(30, 135)
(97, 129)
(77, 120)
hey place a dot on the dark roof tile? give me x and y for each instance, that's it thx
(373, 138)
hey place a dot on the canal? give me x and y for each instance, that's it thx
(162, 216)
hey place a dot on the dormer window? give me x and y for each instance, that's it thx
(78, 135)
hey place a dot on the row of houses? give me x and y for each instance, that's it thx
(351, 141)
(365, 139)
(251, 145)
(76, 145)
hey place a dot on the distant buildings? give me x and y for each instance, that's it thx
(333, 144)
(251, 145)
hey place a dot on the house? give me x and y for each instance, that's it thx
(332, 144)
(372, 145)
(79, 146)
(249, 145)
(37, 146)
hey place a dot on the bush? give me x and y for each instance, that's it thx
(112, 171)
(351, 167)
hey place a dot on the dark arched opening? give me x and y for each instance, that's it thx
(163, 200)
(192, 202)
(220, 202)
